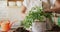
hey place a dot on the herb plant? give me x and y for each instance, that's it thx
(35, 13)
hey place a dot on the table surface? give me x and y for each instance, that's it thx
(11, 30)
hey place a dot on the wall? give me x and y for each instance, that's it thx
(11, 14)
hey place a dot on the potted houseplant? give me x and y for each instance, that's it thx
(36, 18)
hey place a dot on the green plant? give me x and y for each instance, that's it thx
(35, 13)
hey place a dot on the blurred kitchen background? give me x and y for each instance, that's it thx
(11, 10)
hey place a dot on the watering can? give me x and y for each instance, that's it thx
(6, 25)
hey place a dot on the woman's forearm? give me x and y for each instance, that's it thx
(55, 9)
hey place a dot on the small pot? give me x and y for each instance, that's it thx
(38, 26)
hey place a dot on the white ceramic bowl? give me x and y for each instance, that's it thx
(11, 3)
(19, 3)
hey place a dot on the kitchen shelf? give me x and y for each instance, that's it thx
(15, 0)
(13, 7)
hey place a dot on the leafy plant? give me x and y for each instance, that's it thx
(35, 13)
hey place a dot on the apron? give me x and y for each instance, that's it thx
(57, 19)
(47, 4)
